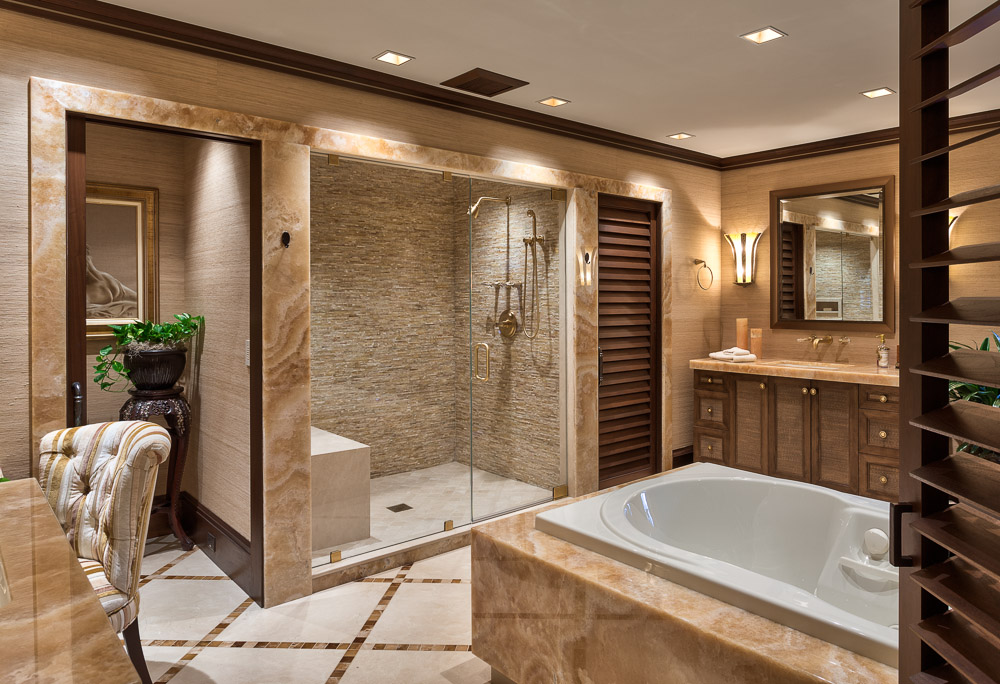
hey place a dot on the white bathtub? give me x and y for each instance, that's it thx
(788, 551)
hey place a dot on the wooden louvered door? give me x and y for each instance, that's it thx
(628, 339)
(791, 299)
(948, 521)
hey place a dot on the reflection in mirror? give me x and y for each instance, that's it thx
(832, 248)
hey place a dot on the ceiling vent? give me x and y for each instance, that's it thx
(483, 82)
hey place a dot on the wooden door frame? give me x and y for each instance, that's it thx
(655, 209)
(76, 354)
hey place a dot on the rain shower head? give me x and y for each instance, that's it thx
(474, 209)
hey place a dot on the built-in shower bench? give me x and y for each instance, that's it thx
(341, 493)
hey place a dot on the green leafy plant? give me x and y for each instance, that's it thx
(110, 370)
(978, 394)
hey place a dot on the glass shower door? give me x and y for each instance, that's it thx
(517, 454)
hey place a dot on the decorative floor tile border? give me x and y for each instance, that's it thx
(351, 649)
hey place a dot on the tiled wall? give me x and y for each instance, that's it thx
(390, 276)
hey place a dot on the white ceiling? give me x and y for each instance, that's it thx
(645, 67)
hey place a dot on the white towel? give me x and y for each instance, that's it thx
(736, 351)
(725, 356)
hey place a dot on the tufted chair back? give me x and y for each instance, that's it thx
(99, 480)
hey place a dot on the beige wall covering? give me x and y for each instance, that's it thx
(217, 284)
(745, 196)
(36, 47)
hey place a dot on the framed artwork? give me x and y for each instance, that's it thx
(122, 254)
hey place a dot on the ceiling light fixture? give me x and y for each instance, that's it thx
(553, 101)
(761, 36)
(878, 92)
(394, 58)
(681, 136)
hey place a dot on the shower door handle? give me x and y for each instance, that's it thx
(479, 347)
(600, 366)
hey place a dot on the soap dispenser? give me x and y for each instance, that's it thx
(883, 352)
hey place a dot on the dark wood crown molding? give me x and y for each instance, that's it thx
(123, 21)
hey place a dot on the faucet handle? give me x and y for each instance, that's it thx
(807, 339)
(845, 340)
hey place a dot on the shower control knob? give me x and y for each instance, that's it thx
(875, 543)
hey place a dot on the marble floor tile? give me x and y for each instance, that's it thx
(159, 552)
(185, 609)
(444, 492)
(416, 667)
(260, 666)
(452, 565)
(332, 616)
(159, 659)
(195, 565)
(426, 614)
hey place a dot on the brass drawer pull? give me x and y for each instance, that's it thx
(814, 391)
(709, 447)
(882, 398)
(883, 434)
(709, 409)
(708, 380)
(884, 480)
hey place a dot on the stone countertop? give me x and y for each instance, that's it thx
(832, 372)
(776, 652)
(54, 628)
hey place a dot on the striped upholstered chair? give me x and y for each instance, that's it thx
(99, 481)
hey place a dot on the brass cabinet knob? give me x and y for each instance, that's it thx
(882, 398)
(709, 410)
(814, 391)
(805, 390)
(883, 434)
(763, 386)
(709, 381)
(709, 447)
(884, 480)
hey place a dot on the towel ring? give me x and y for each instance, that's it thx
(697, 276)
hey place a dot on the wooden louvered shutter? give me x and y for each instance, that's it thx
(791, 299)
(950, 581)
(628, 334)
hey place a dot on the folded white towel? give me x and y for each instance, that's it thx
(742, 358)
(736, 351)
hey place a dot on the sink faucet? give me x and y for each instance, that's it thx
(817, 340)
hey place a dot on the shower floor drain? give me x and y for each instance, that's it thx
(399, 508)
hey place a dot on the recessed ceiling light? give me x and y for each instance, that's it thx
(681, 136)
(763, 35)
(394, 58)
(878, 92)
(553, 101)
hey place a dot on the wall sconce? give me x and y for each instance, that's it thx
(744, 246)
(586, 266)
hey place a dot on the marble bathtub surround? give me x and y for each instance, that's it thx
(853, 373)
(285, 332)
(54, 629)
(546, 610)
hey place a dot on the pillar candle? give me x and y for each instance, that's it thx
(742, 333)
(757, 342)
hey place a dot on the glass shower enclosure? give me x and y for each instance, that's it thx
(436, 352)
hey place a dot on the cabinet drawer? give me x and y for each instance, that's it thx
(879, 398)
(879, 433)
(709, 380)
(711, 409)
(710, 446)
(879, 477)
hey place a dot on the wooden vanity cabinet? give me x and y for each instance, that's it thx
(835, 434)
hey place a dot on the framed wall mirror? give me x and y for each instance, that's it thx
(122, 237)
(832, 252)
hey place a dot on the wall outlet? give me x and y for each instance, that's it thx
(210, 541)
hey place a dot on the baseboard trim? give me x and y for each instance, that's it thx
(232, 549)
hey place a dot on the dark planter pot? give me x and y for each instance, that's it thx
(155, 369)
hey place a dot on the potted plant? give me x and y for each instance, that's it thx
(149, 355)
(966, 391)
